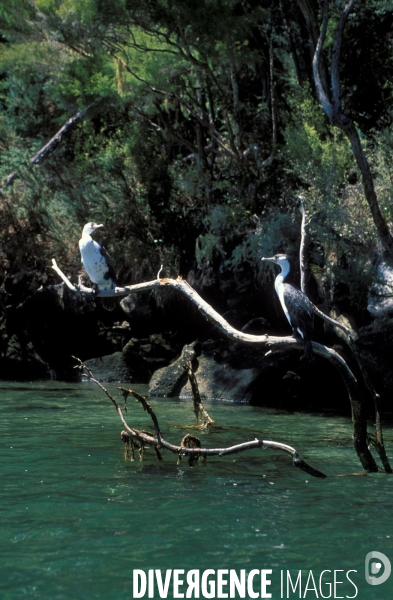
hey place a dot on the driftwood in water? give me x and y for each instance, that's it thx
(190, 445)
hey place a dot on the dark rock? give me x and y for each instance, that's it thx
(140, 311)
(245, 374)
(221, 372)
(110, 368)
(168, 382)
(110, 339)
(59, 323)
(220, 381)
(136, 363)
(19, 361)
(144, 356)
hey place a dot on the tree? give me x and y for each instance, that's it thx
(189, 150)
(330, 98)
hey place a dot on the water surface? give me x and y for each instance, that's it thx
(76, 518)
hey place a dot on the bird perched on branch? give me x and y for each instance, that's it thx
(297, 307)
(98, 264)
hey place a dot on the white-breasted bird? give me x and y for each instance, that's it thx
(98, 263)
(297, 307)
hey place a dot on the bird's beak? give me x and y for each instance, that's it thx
(97, 226)
(271, 259)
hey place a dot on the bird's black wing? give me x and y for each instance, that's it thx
(111, 273)
(300, 309)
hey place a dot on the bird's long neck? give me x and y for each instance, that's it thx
(86, 238)
(285, 268)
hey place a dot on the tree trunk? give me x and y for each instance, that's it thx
(348, 127)
(330, 100)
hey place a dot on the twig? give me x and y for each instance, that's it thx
(321, 91)
(146, 407)
(350, 332)
(81, 366)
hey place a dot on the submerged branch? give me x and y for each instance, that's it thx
(199, 409)
(189, 446)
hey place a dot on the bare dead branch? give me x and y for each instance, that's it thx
(334, 111)
(44, 152)
(376, 441)
(159, 272)
(302, 247)
(82, 367)
(146, 407)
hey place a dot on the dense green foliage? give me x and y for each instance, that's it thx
(208, 129)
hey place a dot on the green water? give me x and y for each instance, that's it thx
(76, 519)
